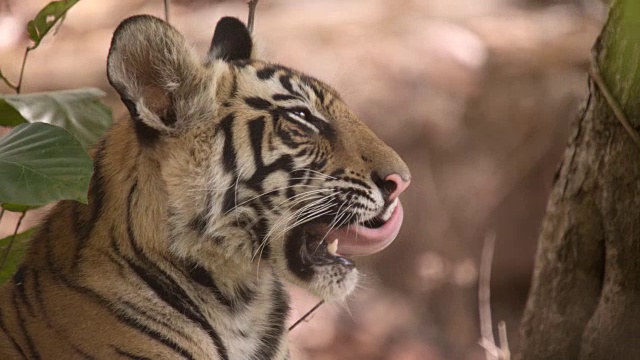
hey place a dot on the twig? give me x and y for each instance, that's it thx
(613, 104)
(484, 298)
(7, 82)
(1, 214)
(167, 4)
(252, 14)
(504, 342)
(487, 341)
(13, 237)
(305, 316)
(24, 62)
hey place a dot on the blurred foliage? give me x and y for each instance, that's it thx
(79, 111)
(20, 243)
(41, 163)
(45, 157)
(46, 19)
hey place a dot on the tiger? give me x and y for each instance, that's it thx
(229, 177)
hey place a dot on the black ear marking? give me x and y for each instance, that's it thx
(231, 41)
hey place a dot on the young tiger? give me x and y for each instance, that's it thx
(231, 175)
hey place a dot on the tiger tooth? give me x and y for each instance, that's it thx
(332, 247)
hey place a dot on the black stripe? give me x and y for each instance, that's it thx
(134, 308)
(23, 327)
(119, 315)
(83, 354)
(286, 138)
(127, 320)
(147, 136)
(356, 191)
(129, 355)
(284, 97)
(83, 229)
(198, 224)
(337, 173)
(37, 290)
(258, 103)
(318, 91)
(165, 287)
(13, 341)
(256, 130)
(229, 200)
(201, 276)
(283, 163)
(320, 162)
(19, 279)
(228, 150)
(260, 231)
(272, 338)
(147, 314)
(285, 80)
(356, 181)
(174, 296)
(265, 73)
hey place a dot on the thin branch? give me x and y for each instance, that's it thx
(1, 214)
(167, 4)
(305, 316)
(613, 104)
(24, 62)
(505, 353)
(7, 251)
(7, 82)
(484, 297)
(252, 14)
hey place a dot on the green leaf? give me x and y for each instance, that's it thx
(17, 207)
(9, 116)
(20, 243)
(79, 111)
(46, 19)
(42, 163)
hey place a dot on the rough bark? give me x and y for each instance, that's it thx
(585, 297)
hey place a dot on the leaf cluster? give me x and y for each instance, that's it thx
(45, 157)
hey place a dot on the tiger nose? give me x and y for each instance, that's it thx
(394, 185)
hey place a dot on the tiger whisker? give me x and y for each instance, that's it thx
(266, 193)
(332, 224)
(319, 173)
(281, 219)
(267, 237)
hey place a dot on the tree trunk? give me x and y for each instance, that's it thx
(585, 297)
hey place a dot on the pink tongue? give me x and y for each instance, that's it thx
(360, 240)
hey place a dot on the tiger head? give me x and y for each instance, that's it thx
(264, 166)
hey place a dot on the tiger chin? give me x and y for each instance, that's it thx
(229, 175)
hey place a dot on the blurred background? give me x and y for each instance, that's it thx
(476, 95)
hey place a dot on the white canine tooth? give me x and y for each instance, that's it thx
(387, 214)
(332, 247)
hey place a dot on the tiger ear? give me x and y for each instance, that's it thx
(152, 67)
(231, 41)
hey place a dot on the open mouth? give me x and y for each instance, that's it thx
(324, 246)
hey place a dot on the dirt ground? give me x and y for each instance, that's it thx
(475, 95)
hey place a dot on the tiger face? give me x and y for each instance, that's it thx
(264, 167)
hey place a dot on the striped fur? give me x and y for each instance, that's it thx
(195, 209)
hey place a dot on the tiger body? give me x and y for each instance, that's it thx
(201, 204)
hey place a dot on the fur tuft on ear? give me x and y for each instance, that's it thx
(151, 66)
(231, 41)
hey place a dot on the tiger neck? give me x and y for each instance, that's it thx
(145, 232)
